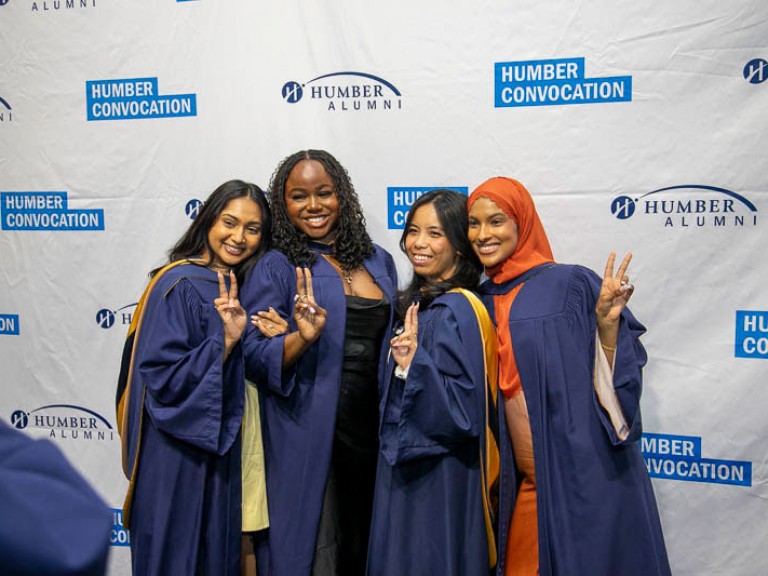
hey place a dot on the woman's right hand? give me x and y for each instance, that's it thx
(309, 316)
(405, 343)
(230, 311)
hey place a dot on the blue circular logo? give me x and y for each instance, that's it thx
(105, 318)
(192, 209)
(623, 207)
(3, 2)
(19, 419)
(292, 92)
(756, 71)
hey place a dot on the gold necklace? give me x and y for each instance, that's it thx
(347, 274)
(211, 266)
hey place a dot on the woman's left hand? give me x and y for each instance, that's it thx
(404, 344)
(615, 292)
(269, 323)
(232, 314)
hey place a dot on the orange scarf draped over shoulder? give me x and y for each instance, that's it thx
(532, 250)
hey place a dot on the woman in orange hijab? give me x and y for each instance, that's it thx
(576, 498)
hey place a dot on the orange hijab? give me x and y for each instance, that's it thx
(532, 250)
(532, 243)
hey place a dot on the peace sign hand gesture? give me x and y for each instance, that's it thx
(309, 316)
(615, 293)
(405, 342)
(232, 314)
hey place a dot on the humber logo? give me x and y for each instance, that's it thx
(689, 205)
(65, 421)
(346, 91)
(756, 71)
(752, 334)
(192, 209)
(135, 99)
(46, 211)
(106, 318)
(676, 457)
(555, 82)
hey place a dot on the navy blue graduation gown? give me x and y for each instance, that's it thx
(597, 513)
(186, 511)
(428, 513)
(52, 522)
(299, 403)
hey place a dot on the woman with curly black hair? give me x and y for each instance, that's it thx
(319, 380)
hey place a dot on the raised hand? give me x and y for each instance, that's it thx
(406, 341)
(310, 318)
(232, 314)
(615, 292)
(269, 323)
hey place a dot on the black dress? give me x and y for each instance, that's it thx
(342, 541)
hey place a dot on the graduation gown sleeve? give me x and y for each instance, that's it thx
(52, 521)
(272, 283)
(436, 407)
(629, 359)
(191, 393)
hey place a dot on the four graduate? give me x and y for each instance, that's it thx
(399, 437)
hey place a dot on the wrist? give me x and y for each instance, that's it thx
(229, 345)
(402, 371)
(608, 331)
(304, 341)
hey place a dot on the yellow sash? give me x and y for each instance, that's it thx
(124, 390)
(489, 454)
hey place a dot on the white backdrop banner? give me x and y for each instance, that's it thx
(637, 126)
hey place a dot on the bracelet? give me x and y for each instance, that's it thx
(607, 348)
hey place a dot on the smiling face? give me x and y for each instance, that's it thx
(431, 254)
(492, 233)
(311, 201)
(236, 233)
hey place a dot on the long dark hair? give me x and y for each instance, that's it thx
(194, 242)
(352, 243)
(451, 209)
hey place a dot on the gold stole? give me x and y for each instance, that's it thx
(489, 454)
(124, 402)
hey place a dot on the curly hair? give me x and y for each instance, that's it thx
(451, 208)
(352, 243)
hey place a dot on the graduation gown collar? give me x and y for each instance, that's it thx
(491, 288)
(322, 248)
